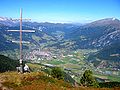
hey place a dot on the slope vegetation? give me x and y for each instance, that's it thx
(7, 64)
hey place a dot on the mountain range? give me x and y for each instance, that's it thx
(103, 35)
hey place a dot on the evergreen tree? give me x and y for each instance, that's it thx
(88, 79)
(57, 73)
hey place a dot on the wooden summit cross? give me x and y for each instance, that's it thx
(20, 41)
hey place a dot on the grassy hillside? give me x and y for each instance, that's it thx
(32, 81)
(38, 81)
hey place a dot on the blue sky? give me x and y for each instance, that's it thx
(61, 10)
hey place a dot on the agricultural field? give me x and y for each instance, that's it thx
(76, 63)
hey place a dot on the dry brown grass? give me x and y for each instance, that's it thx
(39, 81)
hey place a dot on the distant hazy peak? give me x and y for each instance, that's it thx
(103, 22)
(5, 18)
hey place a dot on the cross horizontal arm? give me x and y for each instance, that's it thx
(19, 19)
(22, 30)
(19, 42)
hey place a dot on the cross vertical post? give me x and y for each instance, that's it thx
(20, 41)
(21, 59)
